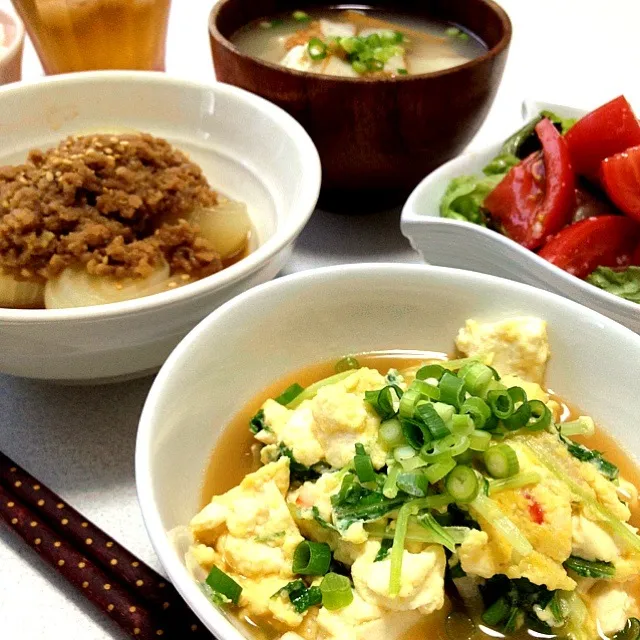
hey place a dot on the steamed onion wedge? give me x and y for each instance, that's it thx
(75, 287)
(20, 294)
(226, 226)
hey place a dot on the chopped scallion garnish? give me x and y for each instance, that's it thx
(317, 49)
(462, 484)
(501, 461)
(301, 16)
(514, 482)
(363, 465)
(348, 363)
(223, 584)
(289, 394)
(336, 591)
(311, 558)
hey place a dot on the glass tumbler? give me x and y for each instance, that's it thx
(82, 35)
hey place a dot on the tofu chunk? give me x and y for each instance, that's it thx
(249, 533)
(517, 346)
(422, 585)
(611, 606)
(591, 541)
(364, 621)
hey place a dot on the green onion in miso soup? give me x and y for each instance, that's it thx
(358, 44)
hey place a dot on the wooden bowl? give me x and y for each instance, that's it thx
(376, 138)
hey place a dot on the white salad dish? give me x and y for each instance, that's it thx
(248, 149)
(225, 361)
(454, 243)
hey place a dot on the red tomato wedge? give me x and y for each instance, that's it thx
(606, 241)
(537, 197)
(621, 180)
(607, 130)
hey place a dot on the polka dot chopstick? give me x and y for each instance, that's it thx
(132, 594)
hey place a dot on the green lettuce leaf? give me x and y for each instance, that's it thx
(623, 283)
(465, 195)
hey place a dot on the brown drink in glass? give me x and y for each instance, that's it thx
(81, 35)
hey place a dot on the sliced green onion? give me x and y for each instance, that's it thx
(453, 32)
(317, 49)
(403, 453)
(336, 591)
(301, 16)
(478, 409)
(451, 390)
(462, 484)
(583, 426)
(402, 72)
(416, 432)
(466, 457)
(382, 400)
(414, 483)
(501, 461)
(348, 363)
(397, 550)
(514, 482)
(476, 378)
(449, 446)
(351, 44)
(359, 67)
(479, 440)
(311, 558)
(445, 411)
(456, 365)
(497, 612)
(491, 512)
(518, 394)
(312, 390)
(289, 394)
(436, 425)
(519, 418)
(223, 584)
(462, 425)
(390, 434)
(413, 463)
(501, 403)
(429, 371)
(390, 488)
(439, 470)
(425, 389)
(540, 416)
(363, 465)
(408, 403)
(631, 630)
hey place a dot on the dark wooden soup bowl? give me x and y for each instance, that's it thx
(377, 138)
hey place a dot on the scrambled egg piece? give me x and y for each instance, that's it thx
(249, 533)
(422, 582)
(611, 606)
(327, 427)
(517, 346)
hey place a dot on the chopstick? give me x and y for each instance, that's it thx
(137, 598)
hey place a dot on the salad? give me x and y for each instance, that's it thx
(568, 190)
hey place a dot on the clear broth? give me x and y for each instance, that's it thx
(236, 442)
(424, 57)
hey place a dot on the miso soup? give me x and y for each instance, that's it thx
(358, 43)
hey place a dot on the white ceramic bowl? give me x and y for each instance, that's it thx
(249, 149)
(454, 243)
(319, 315)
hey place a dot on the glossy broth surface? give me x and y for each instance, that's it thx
(237, 443)
(266, 38)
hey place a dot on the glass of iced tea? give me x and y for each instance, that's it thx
(81, 35)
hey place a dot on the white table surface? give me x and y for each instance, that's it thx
(80, 441)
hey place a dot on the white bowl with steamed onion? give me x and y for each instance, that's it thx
(225, 362)
(250, 151)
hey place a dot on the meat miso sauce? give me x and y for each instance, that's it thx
(342, 41)
(104, 218)
(521, 534)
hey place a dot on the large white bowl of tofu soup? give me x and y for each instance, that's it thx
(352, 43)
(394, 452)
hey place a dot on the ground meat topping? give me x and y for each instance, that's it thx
(110, 202)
